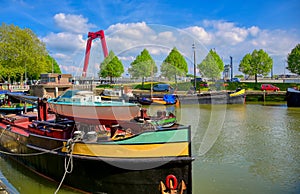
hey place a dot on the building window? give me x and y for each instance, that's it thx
(52, 79)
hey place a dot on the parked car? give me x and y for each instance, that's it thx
(198, 79)
(235, 79)
(161, 88)
(269, 87)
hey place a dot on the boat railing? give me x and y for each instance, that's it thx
(18, 87)
(87, 87)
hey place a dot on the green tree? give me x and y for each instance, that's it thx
(111, 66)
(52, 64)
(22, 54)
(174, 64)
(257, 63)
(211, 66)
(143, 66)
(293, 60)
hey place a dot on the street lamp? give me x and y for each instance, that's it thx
(194, 50)
(52, 64)
(51, 61)
(231, 76)
(25, 73)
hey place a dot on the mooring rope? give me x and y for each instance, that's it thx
(2, 133)
(68, 165)
(31, 154)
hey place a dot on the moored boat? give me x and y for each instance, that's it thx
(84, 106)
(99, 158)
(167, 99)
(16, 108)
(112, 95)
(10, 105)
(145, 101)
(293, 97)
(236, 97)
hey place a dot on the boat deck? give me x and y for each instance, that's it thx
(20, 123)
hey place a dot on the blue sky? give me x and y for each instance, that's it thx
(232, 28)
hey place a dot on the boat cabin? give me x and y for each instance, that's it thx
(52, 85)
(55, 78)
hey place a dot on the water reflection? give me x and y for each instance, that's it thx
(251, 148)
(26, 181)
(265, 141)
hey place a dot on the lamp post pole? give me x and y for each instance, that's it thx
(231, 76)
(25, 74)
(50, 53)
(52, 65)
(194, 50)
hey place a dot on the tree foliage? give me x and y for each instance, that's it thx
(111, 66)
(54, 65)
(22, 54)
(143, 66)
(293, 60)
(174, 64)
(257, 63)
(211, 66)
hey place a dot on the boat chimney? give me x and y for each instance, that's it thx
(42, 109)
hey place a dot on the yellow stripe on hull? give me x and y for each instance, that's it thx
(238, 93)
(131, 151)
(159, 101)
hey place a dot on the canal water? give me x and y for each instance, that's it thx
(252, 148)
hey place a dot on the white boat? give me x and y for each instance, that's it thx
(84, 106)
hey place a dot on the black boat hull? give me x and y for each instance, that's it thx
(212, 99)
(94, 174)
(293, 97)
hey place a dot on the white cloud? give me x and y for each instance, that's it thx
(166, 36)
(253, 30)
(131, 31)
(218, 24)
(158, 50)
(72, 23)
(200, 33)
(67, 49)
(64, 41)
(276, 42)
(121, 26)
(127, 58)
(60, 56)
(132, 38)
(229, 33)
(127, 40)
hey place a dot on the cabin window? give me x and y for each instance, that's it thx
(52, 79)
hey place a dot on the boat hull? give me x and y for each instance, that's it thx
(293, 97)
(155, 102)
(214, 98)
(16, 110)
(167, 99)
(127, 169)
(95, 114)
